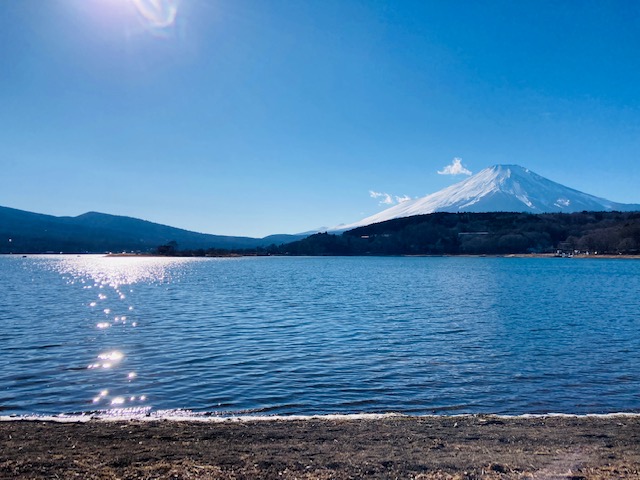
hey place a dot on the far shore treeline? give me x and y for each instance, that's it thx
(494, 233)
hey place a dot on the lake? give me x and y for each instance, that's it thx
(318, 335)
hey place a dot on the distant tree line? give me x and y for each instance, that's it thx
(171, 249)
(468, 233)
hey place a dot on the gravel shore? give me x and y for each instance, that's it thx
(439, 447)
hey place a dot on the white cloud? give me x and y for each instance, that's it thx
(455, 168)
(387, 198)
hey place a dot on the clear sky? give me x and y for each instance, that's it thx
(252, 117)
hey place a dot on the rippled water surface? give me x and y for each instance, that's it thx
(319, 335)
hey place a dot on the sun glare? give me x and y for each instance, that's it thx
(157, 13)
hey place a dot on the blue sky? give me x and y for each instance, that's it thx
(252, 117)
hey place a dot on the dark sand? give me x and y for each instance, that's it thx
(391, 447)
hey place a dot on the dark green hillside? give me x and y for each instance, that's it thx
(482, 233)
(98, 232)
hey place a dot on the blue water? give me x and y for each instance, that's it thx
(319, 335)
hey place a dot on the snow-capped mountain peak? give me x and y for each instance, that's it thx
(500, 188)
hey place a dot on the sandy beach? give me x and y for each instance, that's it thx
(439, 447)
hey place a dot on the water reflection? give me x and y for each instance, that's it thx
(116, 272)
(99, 273)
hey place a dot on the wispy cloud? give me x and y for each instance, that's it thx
(455, 168)
(387, 198)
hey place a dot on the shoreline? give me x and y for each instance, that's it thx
(124, 415)
(238, 255)
(326, 447)
(460, 255)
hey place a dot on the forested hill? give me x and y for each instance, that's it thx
(482, 233)
(28, 232)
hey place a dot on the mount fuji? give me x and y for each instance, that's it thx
(500, 188)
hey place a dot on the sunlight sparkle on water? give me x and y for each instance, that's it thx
(117, 271)
(114, 356)
(108, 360)
(106, 273)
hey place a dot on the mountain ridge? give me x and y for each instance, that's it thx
(506, 188)
(500, 188)
(95, 232)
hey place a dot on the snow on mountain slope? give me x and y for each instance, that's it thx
(501, 188)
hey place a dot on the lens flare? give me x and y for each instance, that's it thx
(157, 13)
